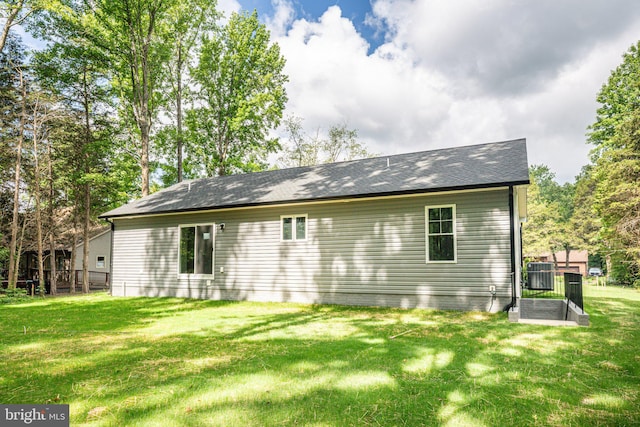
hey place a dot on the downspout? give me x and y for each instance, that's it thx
(113, 229)
(512, 240)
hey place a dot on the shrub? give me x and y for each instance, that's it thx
(9, 296)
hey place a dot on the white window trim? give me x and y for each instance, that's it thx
(455, 234)
(105, 261)
(293, 231)
(213, 257)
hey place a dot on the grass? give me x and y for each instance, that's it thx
(159, 362)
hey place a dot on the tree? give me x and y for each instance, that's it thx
(14, 119)
(618, 99)
(75, 69)
(616, 135)
(129, 31)
(617, 199)
(241, 98)
(585, 222)
(549, 226)
(40, 114)
(64, 69)
(10, 60)
(301, 149)
(343, 145)
(539, 233)
(307, 150)
(187, 21)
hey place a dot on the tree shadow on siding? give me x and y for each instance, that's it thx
(352, 269)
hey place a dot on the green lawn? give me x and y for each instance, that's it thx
(166, 362)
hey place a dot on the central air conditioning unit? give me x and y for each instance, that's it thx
(540, 276)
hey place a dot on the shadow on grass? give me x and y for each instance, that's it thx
(97, 312)
(186, 362)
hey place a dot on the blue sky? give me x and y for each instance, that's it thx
(354, 10)
(414, 75)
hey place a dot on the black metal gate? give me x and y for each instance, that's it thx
(573, 290)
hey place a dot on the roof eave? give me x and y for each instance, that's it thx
(321, 199)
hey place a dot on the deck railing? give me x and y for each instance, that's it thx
(98, 280)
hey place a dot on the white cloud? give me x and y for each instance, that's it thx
(227, 7)
(332, 79)
(452, 73)
(282, 19)
(501, 46)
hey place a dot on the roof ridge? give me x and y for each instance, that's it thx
(324, 165)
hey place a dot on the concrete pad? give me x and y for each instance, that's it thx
(548, 322)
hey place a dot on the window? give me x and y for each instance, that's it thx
(293, 227)
(196, 249)
(441, 233)
(101, 261)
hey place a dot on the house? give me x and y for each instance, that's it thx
(28, 267)
(578, 261)
(99, 252)
(434, 229)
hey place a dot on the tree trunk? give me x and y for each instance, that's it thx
(72, 262)
(85, 246)
(37, 195)
(555, 260)
(179, 111)
(14, 258)
(86, 186)
(53, 279)
(19, 251)
(567, 251)
(144, 156)
(143, 119)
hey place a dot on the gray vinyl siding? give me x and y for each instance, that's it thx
(99, 245)
(360, 252)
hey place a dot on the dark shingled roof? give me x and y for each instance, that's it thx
(476, 166)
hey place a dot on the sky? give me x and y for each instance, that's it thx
(428, 74)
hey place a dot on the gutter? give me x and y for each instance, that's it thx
(327, 199)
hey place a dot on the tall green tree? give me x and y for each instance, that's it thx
(619, 98)
(41, 112)
(585, 223)
(241, 97)
(75, 69)
(187, 20)
(130, 31)
(540, 232)
(14, 94)
(617, 200)
(549, 227)
(616, 136)
(10, 61)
